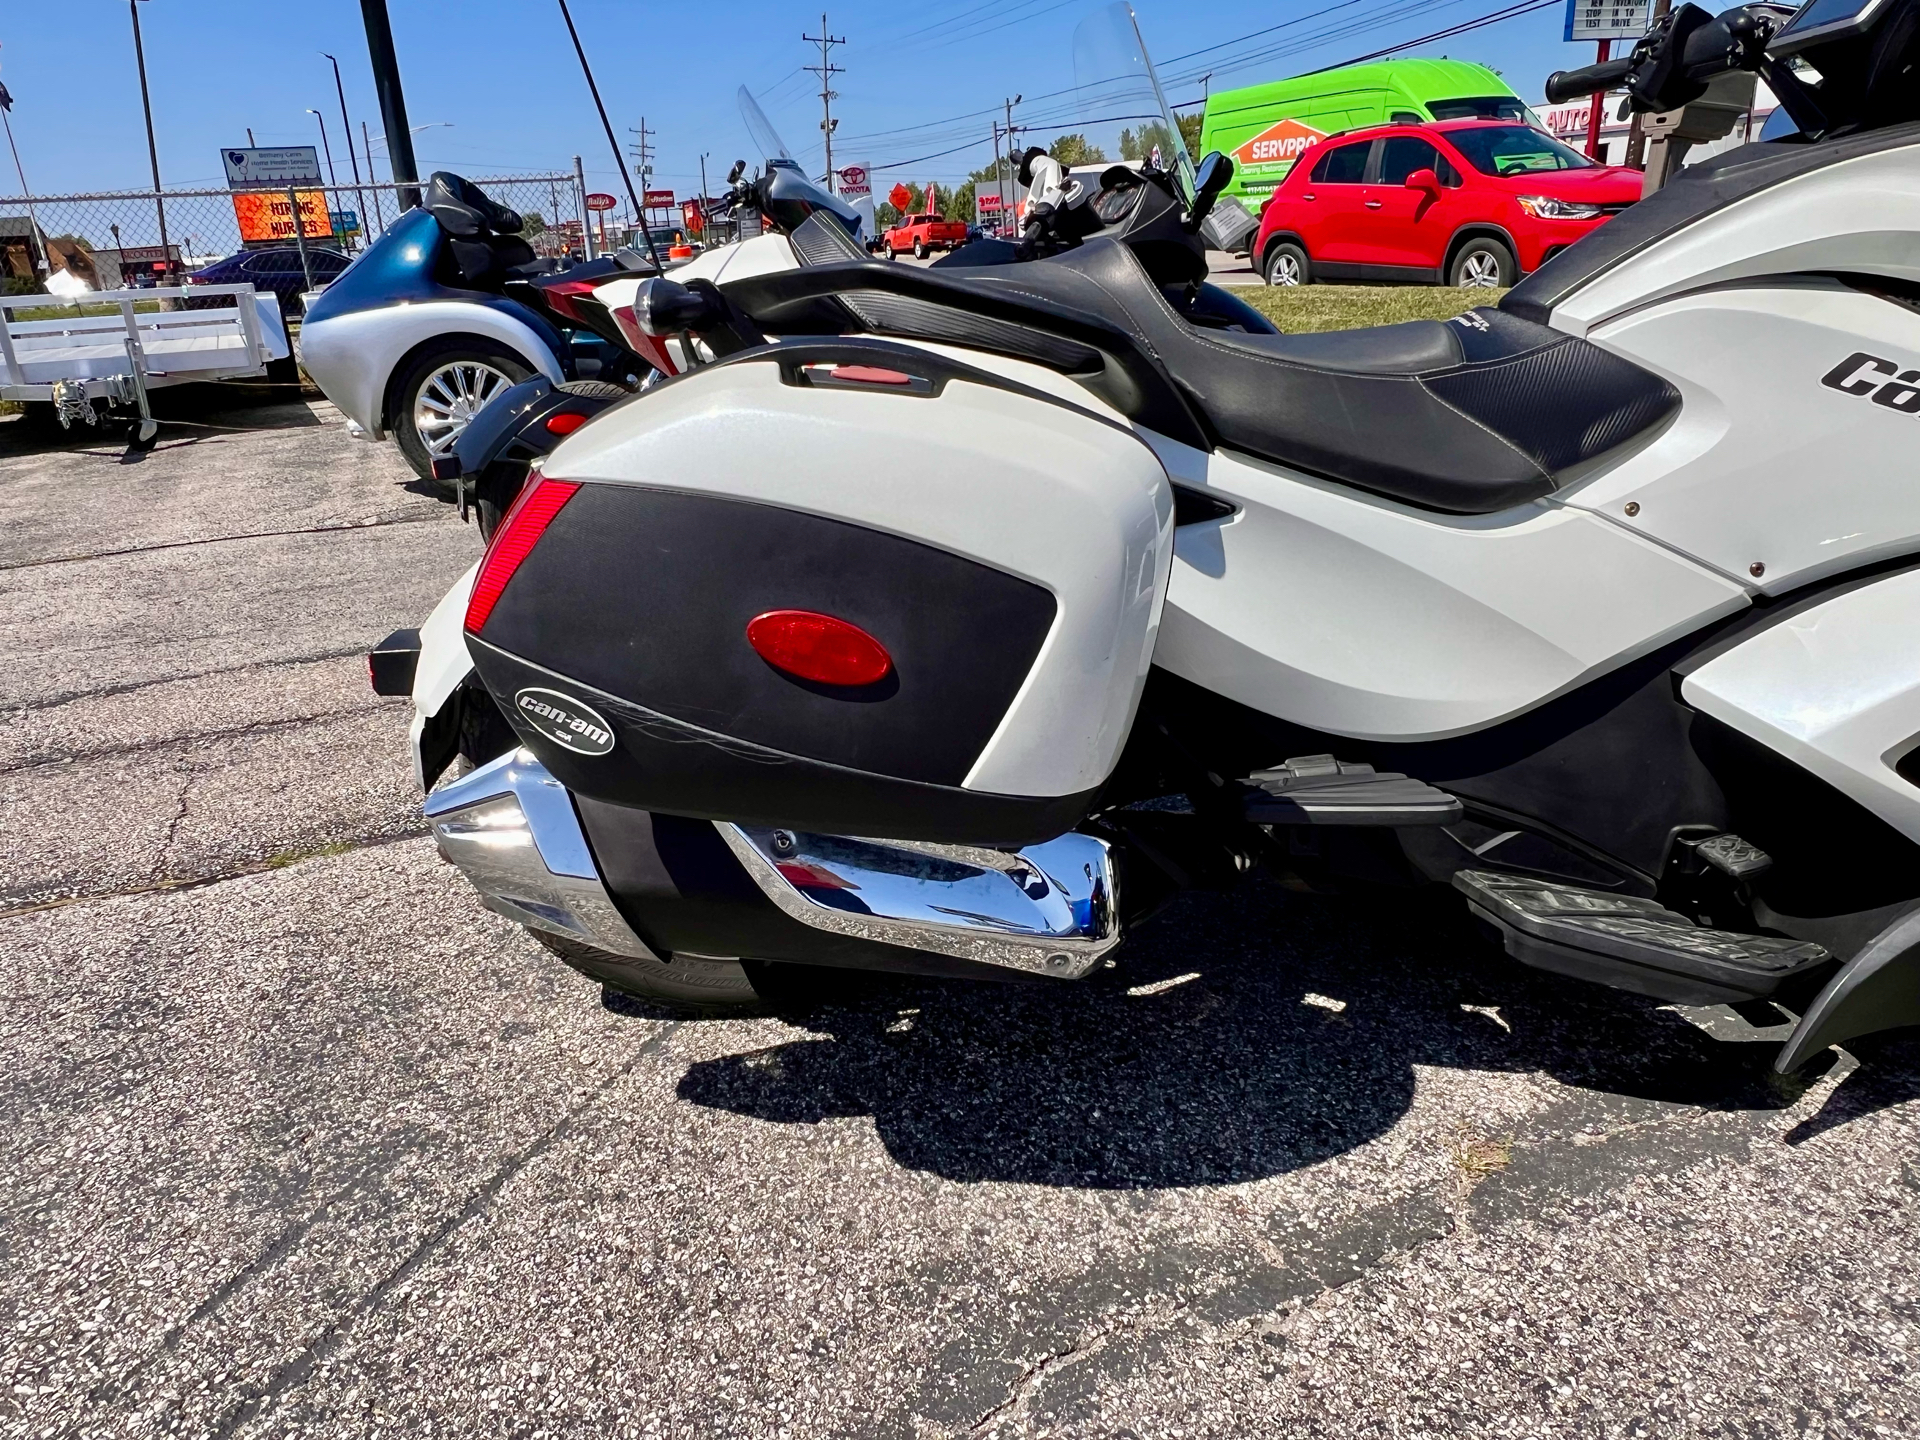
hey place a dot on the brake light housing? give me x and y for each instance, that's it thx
(539, 502)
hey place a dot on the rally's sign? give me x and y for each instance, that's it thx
(1281, 143)
(599, 200)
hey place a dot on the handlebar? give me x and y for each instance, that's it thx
(1565, 85)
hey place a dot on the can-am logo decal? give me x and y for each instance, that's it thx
(1278, 144)
(1864, 374)
(565, 721)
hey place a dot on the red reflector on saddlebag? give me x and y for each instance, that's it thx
(526, 522)
(565, 423)
(818, 647)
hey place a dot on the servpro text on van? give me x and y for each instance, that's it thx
(1265, 128)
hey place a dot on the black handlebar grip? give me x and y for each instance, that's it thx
(1565, 85)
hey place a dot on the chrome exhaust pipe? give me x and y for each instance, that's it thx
(510, 827)
(1048, 909)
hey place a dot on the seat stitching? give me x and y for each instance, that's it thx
(1484, 429)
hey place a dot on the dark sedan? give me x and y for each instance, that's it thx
(277, 270)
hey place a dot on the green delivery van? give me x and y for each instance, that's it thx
(1264, 128)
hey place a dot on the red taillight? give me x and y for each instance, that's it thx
(565, 423)
(869, 375)
(526, 522)
(818, 647)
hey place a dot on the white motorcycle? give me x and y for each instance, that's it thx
(1601, 606)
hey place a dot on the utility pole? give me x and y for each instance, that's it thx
(372, 179)
(642, 152)
(153, 150)
(333, 180)
(999, 182)
(826, 70)
(346, 129)
(393, 102)
(1012, 165)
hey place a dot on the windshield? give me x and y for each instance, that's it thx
(1123, 114)
(1479, 107)
(1514, 150)
(765, 138)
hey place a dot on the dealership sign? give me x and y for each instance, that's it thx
(1281, 143)
(1606, 19)
(855, 182)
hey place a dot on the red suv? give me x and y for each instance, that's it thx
(1467, 202)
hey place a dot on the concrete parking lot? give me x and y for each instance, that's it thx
(299, 1140)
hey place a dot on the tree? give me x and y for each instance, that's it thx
(1075, 149)
(532, 223)
(1190, 130)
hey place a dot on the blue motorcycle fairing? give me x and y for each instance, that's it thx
(398, 268)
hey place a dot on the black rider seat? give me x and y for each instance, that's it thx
(1469, 415)
(483, 236)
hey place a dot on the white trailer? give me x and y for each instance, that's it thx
(72, 362)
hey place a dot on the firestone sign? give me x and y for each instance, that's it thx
(1281, 143)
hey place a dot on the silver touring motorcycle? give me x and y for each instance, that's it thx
(948, 620)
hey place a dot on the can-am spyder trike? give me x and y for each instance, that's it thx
(1601, 606)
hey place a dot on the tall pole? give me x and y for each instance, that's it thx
(346, 129)
(153, 150)
(393, 103)
(36, 241)
(333, 180)
(619, 160)
(826, 70)
(1012, 164)
(372, 179)
(999, 183)
(1593, 107)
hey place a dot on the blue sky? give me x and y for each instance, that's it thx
(503, 79)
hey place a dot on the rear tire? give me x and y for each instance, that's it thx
(686, 980)
(443, 387)
(1483, 264)
(1286, 264)
(919, 249)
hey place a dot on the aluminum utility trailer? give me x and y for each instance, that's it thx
(72, 361)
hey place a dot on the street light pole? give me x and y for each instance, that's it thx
(393, 102)
(346, 129)
(153, 150)
(373, 178)
(333, 180)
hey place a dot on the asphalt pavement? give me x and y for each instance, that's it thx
(299, 1140)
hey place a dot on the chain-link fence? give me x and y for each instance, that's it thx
(114, 239)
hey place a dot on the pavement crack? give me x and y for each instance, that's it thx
(173, 825)
(197, 882)
(223, 540)
(1030, 1380)
(316, 1351)
(108, 692)
(49, 758)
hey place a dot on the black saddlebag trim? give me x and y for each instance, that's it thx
(678, 885)
(646, 593)
(660, 763)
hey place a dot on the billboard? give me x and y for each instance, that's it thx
(1606, 19)
(657, 199)
(267, 217)
(249, 166)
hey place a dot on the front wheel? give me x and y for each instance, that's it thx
(1483, 265)
(695, 981)
(441, 390)
(1287, 264)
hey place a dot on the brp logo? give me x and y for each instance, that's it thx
(1866, 375)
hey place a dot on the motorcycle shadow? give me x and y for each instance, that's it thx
(1238, 1038)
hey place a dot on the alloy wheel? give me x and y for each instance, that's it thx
(1480, 271)
(449, 399)
(1285, 270)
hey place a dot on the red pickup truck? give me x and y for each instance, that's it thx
(924, 234)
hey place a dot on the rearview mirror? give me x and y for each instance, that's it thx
(739, 169)
(1424, 180)
(1210, 177)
